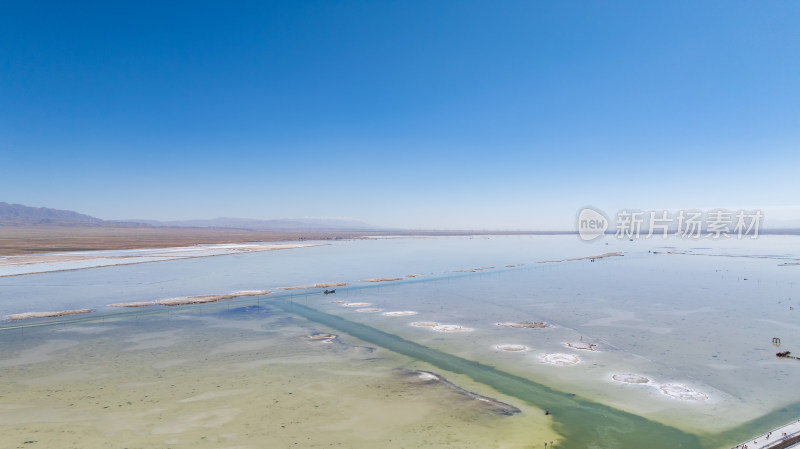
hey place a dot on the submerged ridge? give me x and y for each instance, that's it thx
(582, 423)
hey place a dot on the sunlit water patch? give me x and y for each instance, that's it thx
(681, 340)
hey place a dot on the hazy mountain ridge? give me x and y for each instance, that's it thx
(21, 215)
(261, 225)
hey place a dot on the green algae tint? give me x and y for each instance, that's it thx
(583, 424)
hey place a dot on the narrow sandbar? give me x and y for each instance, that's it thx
(369, 310)
(356, 304)
(381, 280)
(424, 324)
(451, 328)
(599, 256)
(400, 313)
(326, 285)
(133, 304)
(27, 315)
(499, 407)
(525, 324)
(184, 300)
(43, 263)
(201, 299)
(472, 270)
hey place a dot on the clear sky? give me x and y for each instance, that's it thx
(422, 114)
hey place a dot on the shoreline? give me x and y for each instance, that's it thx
(232, 249)
(780, 441)
(28, 315)
(17, 240)
(186, 300)
(459, 329)
(45, 240)
(225, 250)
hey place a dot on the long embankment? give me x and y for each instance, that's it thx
(582, 423)
(783, 437)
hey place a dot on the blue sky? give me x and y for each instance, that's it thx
(428, 114)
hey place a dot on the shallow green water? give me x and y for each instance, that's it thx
(686, 319)
(584, 424)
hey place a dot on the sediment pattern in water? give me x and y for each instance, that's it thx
(583, 424)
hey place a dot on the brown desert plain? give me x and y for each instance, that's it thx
(19, 240)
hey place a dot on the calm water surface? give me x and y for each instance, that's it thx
(700, 319)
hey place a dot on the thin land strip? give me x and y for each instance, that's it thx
(16, 240)
(19, 240)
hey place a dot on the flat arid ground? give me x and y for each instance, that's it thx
(43, 239)
(19, 240)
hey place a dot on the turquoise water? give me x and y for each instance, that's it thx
(581, 423)
(704, 320)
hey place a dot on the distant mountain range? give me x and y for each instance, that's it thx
(286, 224)
(20, 215)
(17, 214)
